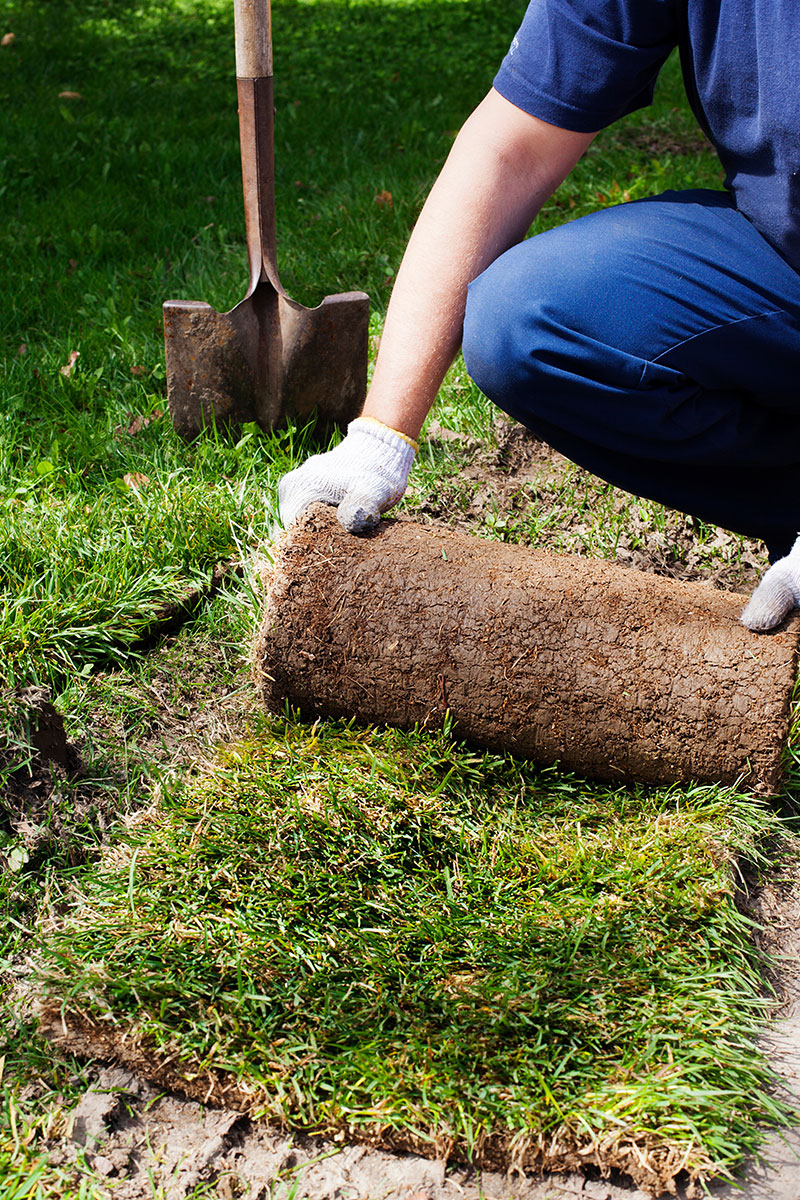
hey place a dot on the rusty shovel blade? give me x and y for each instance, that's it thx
(269, 358)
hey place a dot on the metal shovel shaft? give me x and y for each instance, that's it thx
(255, 91)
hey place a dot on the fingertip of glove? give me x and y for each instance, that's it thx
(290, 513)
(756, 622)
(357, 519)
(763, 613)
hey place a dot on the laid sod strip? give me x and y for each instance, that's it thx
(92, 557)
(385, 936)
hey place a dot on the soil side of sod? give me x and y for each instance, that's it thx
(615, 674)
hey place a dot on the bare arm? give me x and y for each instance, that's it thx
(503, 165)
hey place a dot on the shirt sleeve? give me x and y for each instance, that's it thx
(582, 64)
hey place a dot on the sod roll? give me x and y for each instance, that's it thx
(615, 674)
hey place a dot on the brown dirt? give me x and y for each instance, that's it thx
(522, 471)
(84, 774)
(145, 1142)
(653, 1162)
(613, 673)
(46, 797)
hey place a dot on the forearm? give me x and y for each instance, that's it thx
(503, 166)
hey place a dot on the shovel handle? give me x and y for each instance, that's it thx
(253, 25)
(253, 30)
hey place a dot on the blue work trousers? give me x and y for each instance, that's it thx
(658, 345)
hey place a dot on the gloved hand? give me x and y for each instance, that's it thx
(777, 593)
(364, 475)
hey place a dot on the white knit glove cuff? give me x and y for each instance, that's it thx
(363, 476)
(396, 458)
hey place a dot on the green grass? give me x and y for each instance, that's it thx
(34, 1115)
(388, 934)
(130, 195)
(94, 553)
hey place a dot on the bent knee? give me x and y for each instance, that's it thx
(487, 340)
(519, 321)
(549, 312)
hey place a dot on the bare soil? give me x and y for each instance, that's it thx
(46, 798)
(508, 478)
(141, 1140)
(84, 775)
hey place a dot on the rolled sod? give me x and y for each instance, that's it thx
(613, 673)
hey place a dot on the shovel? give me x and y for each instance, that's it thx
(269, 357)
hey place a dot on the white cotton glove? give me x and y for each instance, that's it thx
(364, 475)
(777, 593)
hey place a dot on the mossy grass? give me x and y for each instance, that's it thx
(389, 935)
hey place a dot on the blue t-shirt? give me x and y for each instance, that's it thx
(581, 64)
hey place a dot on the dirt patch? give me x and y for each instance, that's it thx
(521, 456)
(505, 477)
(66, 776)
(142, 1142)
(492, 490)
(44, 796)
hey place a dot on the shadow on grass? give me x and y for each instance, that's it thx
(132, 193)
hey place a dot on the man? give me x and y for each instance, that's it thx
(656, 343)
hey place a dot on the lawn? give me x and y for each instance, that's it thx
(384, 936)
(523, 908)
